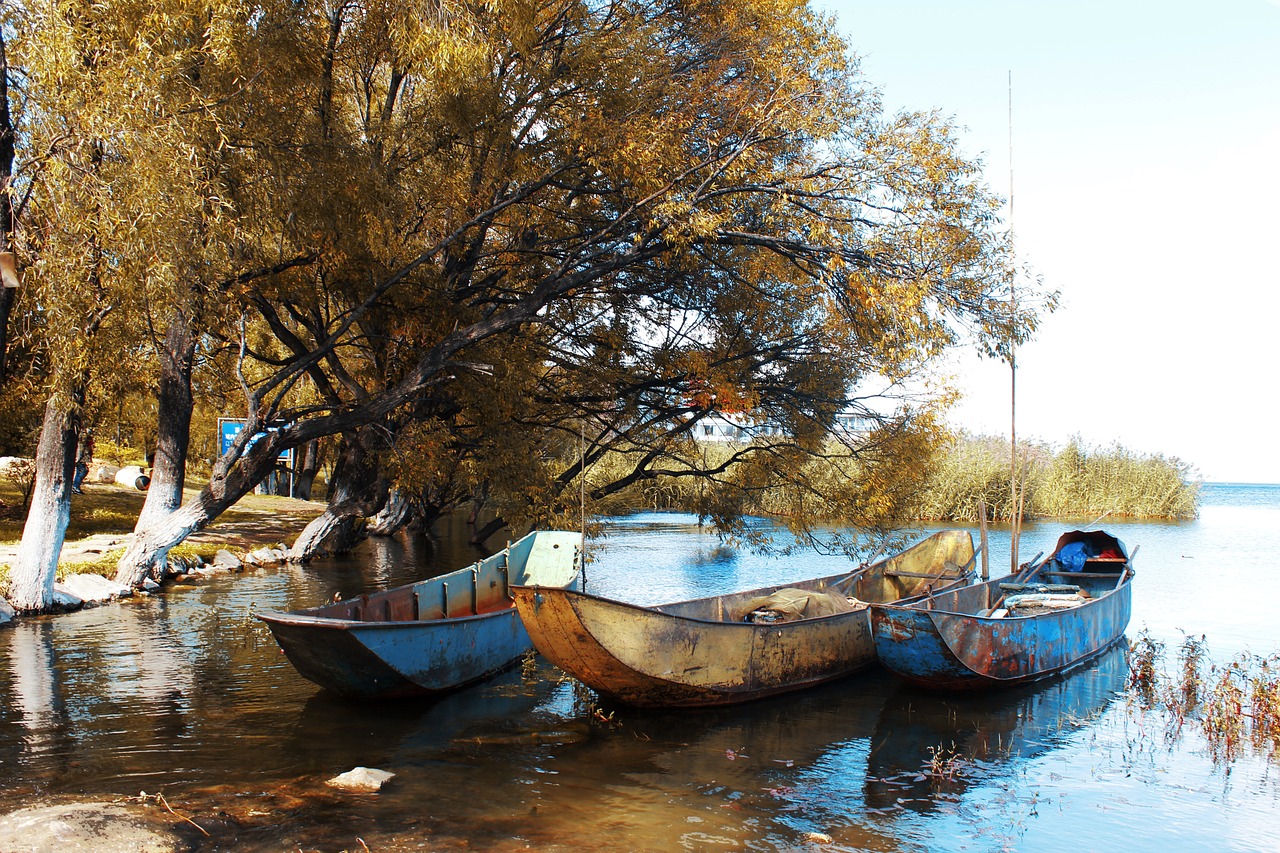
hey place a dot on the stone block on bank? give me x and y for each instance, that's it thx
(65, 599)
(100, 827)
(224, 559)
(94, 589)
(365, 779)
(7, 461)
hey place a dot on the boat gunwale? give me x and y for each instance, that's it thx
(861, 607)
(921, 605)
(283, 617)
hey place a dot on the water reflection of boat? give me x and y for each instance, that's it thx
(326, 734)
(705, 652)
(976, 636)
(928, 743)
(426, 637)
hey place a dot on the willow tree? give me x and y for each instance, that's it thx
(125, 213)
(667, 210)
(707, 188)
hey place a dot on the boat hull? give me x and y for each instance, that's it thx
(700, 653)
(646, 658)
(387, 659)
(428, 637)
(950, 640)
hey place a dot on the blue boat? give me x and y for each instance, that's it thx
(1049, 618)
(431, 636)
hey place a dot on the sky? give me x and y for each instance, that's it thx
(1146, 189)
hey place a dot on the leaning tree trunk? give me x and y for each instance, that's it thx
(148, 549)
(394, 516)
(175, 404)
(31, 582)
(356, 493)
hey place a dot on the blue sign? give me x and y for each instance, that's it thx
(229, 428)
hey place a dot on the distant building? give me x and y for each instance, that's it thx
(853, 425)
(732, 428)
(741, 429)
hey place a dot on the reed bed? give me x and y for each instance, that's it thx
(946, 483)
(1073, 482)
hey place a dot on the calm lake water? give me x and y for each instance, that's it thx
(186, 694)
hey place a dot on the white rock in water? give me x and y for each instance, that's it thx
(226, 560)
(361, 779)
(6, 611)
(95, 587)
(65, 598)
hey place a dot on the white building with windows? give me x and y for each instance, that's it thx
(741, 429)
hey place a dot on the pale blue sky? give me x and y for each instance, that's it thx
(1146, 152)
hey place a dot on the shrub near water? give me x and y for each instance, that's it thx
(1234, 705)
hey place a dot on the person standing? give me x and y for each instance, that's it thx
(83, 459)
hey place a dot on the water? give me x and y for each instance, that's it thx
(187, 694)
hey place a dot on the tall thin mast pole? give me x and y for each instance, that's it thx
(1014, 511)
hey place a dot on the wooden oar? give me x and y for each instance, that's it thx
(1127, 566)
(1021, 577)
(862, 567)
(961, 571)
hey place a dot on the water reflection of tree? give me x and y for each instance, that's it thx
(929, 747)
(37, 702)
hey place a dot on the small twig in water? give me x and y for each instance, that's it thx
(162, 801)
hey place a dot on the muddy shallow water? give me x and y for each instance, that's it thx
(187, 695)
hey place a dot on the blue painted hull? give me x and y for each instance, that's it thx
(428, 637)
(951, 640)
(388, 659)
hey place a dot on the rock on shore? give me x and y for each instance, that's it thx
(96, 827)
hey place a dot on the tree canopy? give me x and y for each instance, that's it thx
(492, 243)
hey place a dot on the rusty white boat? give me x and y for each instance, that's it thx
(725, 649)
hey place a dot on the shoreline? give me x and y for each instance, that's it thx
(103, 517)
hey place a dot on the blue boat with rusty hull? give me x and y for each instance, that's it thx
(431, 636)
(1048, 619)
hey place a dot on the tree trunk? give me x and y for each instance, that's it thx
(148, 550)
(394, 516)
(357, 492)
(8, 140)
(31, 583)
(175, 404)
(7, 295)
(480, 535)
(308, 466)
